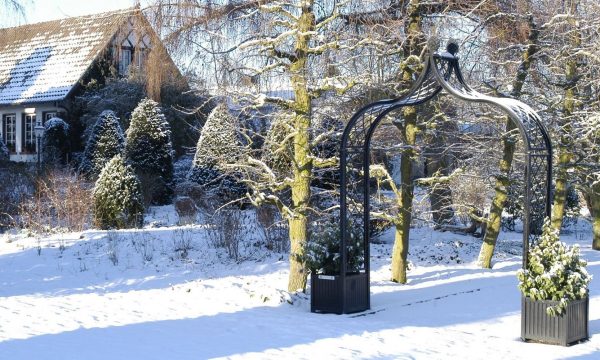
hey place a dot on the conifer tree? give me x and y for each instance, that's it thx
(117, 196)
(149, 150)
(55, 144)
(219, 145)
(105, 142)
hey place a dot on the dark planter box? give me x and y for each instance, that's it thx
(571, 327)
(327, 293)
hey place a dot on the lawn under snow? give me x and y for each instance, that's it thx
(132, 295)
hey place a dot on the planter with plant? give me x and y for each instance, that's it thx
(332, 291)
(555, 303)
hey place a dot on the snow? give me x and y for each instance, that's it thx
(42, 62)
(134, 294)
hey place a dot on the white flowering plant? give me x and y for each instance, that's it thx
(554, 272)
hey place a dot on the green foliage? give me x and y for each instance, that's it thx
(123, 95)
(322, 254)
(105, 142)
(278, 151)
(219, 145)
(117, 196)
(149, 150)
(119, 95)
(55, 144)
(554, 272)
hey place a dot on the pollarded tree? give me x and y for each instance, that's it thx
(219, 145)
(149, 150)
(321, 51)
(105, 142)
(117, 196)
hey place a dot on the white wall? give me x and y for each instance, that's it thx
(38, 109)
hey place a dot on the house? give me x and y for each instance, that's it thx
(44, 65)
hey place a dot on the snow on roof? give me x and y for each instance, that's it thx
(42, 62)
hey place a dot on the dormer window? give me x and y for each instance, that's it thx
(125, 57)
(125, 60)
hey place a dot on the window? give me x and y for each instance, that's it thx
(125, 61)
(29, 133)
(141, 57)
(9, 131)
(49, 115)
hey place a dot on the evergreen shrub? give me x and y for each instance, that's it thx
(105, 142)
(554, 272)
(117, 196)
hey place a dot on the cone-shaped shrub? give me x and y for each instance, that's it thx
(117, 196)
(554, 272)
(218, 146)
(55, 144)
(149, 150)
(105, 142)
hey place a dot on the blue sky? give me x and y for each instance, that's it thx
(43, 10)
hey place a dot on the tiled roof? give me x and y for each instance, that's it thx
(42, 62)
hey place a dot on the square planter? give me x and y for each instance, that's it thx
(329, 295)
(565, 329)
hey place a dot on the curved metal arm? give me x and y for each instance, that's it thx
(441, 71)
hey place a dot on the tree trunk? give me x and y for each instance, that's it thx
(400, 251)
(494, 220)
(592, 200)
(436, 162)
(298, 238)
(565, 152)
(302, 159)
(409, 134)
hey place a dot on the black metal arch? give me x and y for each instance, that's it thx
(441, 72)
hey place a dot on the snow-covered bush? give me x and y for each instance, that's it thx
(105, 142)
(322, 254)
(554, 272)
(4, 155)
(218, 146)
(149, 150)
(117, 196)
(55, 145)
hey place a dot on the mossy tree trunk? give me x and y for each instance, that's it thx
(402, 222)
(494, 220)
(565, 128)
(592, 200)
(302, 175)
(409, 134)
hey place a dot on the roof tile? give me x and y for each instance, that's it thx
(43, 61)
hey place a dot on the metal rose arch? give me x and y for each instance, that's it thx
(349, 292)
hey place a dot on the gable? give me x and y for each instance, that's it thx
(43, 62)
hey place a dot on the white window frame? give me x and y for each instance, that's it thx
(7, 132)
(29, 143)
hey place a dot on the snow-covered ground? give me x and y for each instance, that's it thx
(169, 293)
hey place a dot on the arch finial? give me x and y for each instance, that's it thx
(452, 46)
